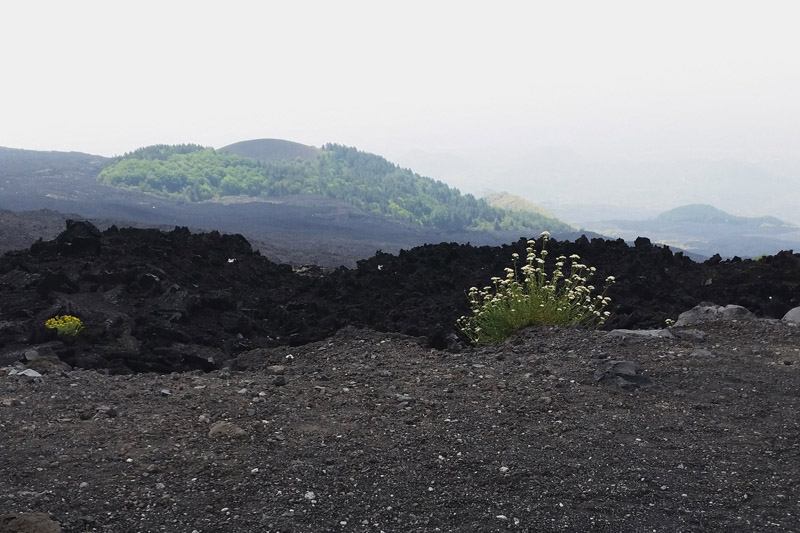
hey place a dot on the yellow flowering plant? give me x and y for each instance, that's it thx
(528, 296)
(65, 325)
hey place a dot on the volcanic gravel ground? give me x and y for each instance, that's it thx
(367, 431)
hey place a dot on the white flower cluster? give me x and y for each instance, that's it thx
(533, 297)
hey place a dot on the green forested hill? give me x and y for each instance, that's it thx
(365, 180)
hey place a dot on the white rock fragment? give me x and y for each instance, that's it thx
(703, 313)
(226, 429)
(792, 316)
(647, 333)
(27, 373)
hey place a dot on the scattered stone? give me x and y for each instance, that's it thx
(691, 335)
(705, 312)
(48, 364)
(279, 381)
(28, 523)
(166, 392)
(26, 373)
(649, 333)
(792, 316)
(224, 428)
(276, 370)
(107, 411)
(624, 374)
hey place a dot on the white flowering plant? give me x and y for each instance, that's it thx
(528, 295)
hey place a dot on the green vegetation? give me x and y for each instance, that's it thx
(532, 297)
(366, 180)
(65, 325)
(184, 171)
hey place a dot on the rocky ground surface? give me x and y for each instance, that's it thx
(215, 390)
(556, 429)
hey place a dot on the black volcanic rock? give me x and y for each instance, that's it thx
(163, 301)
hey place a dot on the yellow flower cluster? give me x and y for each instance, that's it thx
(65, 325)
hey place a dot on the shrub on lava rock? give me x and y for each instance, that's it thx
(533, 297)
(65, 325)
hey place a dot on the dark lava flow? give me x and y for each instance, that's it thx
(167, 301)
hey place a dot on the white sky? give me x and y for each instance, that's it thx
(617, 79)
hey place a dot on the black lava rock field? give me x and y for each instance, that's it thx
(163, 301)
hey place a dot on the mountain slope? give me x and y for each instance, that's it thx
(16, 161)
(365, 180)
(512, 202)
(298, 229)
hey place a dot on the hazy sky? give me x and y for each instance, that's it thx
(627, 80)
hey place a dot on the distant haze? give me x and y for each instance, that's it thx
(583, 107)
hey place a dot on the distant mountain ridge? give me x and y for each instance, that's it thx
(65, 182)
(708, 214)
(706, 230)
(16, 161)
